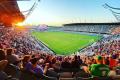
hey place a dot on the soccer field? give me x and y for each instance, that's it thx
(64, 43)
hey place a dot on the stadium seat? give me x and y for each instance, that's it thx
(49, 78)
(118, 71)
(102, 78)
(69, 70)
(67, 79)
(117, 77)
(27, 75)
(81, 78)
(13, 71)
(66, 75)
(52, 73)
(82, 74)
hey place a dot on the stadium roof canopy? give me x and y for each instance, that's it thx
(72, 24)
(10, 12)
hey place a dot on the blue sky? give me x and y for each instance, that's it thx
(58, 12)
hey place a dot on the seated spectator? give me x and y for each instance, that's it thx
(41, 63)
(99, 69)
(112, 73)
(11, 57)
(52, 70)
(2, 55)
(26, 62)
(65, 64)
(3, 61)
(3, 75)
(107, 61)
(75, 63)
(112, 61)
(80, 60)
(38, 69)
(54, 64)
(3, 64)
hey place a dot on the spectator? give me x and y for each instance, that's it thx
(11, 57)
(65, 64)
(26, 61)
(99, 69)
(38, 69)
(112, 61)
(3, 64)
(75, 62)
(3, 75)
(2, 55)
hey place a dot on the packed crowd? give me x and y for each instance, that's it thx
(116, 30)
(106, 46)
(18, 39)
(19, 49)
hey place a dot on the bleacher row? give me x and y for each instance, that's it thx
(20, 59)
(90, 28)
(15, 73)
(104, 41)
(116, 30)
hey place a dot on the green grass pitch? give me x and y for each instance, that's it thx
(64, 43)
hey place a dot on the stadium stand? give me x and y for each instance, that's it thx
(104, 28)
(22, 59)
(116, 30)
(106, 45)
